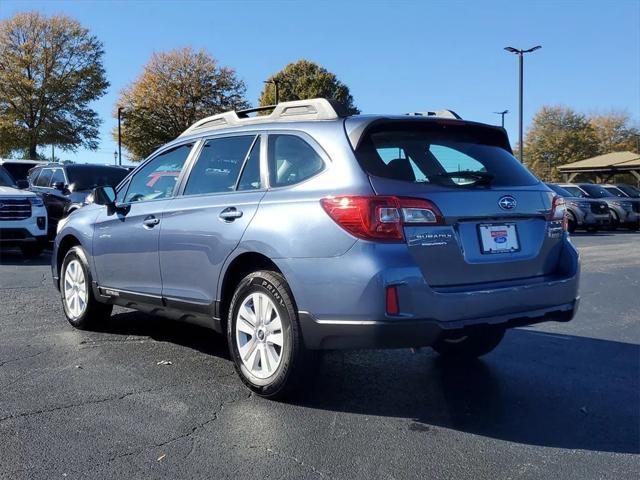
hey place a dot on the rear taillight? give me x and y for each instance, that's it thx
(558, 211)
(380, 217)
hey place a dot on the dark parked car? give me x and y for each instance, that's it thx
(65, 188)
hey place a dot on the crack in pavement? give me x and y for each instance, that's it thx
(275, 453)
(3, 363)
(74, 405)
(299, 462)
(109, 399)
(186, 435)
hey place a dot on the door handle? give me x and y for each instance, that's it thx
(150, 222)
(229, 214)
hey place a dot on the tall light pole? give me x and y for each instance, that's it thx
(119, 137)
(276, 86)
(520, 54)
(115, 157)
(502, 114)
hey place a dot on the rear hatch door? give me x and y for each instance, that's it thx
(495, 226)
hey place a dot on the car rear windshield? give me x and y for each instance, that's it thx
(88, 177)
(456, 155)
(5, 179)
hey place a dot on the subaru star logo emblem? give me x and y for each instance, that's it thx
(507, 202)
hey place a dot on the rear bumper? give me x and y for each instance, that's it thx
(338, 334)
(342, 301)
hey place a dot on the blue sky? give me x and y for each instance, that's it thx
(395, 56)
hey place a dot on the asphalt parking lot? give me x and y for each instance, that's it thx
(555, 401)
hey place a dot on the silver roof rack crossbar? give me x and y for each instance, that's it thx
(437, 113)
(312, 109)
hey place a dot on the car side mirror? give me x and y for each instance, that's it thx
(59, 186)
(104, 196)
(22, 184)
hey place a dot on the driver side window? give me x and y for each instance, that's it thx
(158, 178)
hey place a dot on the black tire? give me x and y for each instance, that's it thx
(95, 311)
(571, 224)
(470, 345)
(592, 229)
(615, 221)
(288, 375)
(32, 250)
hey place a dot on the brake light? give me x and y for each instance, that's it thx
(380, 217)
(558, 211)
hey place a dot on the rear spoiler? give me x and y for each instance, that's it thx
(356, 128)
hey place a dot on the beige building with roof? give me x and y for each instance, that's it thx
(603, 167)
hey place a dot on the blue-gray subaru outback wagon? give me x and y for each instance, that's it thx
(306, 229)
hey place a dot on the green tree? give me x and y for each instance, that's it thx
(558, 135)
(304, 79)
(175, 89)
(615, 132)
(50, 71)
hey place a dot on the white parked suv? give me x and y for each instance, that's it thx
(23, 217)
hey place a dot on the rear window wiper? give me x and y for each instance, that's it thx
(479, 178)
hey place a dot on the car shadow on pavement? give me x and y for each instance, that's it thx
(133, 323)
(15, 257)
(540, 389)
(536, 388)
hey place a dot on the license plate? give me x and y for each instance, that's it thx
(499, 238)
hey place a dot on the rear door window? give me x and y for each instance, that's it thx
(291, 160)
(219, 164)
(433, 153)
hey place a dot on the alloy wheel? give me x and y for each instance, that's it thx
(75, 289)
(259, 335)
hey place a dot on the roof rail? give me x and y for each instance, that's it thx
(437, 113)
(312, 109)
